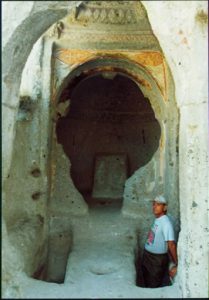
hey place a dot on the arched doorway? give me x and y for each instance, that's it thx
(156, 113)
(108, 119)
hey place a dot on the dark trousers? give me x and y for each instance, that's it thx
(154, 268)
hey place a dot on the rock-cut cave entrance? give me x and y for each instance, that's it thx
(107, 131)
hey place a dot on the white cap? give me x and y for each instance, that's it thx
(160, 199)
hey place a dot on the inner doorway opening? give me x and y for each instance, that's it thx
(108, 131)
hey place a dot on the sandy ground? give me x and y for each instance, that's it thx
(102, 261)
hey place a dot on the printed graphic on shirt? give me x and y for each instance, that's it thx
(151, 234)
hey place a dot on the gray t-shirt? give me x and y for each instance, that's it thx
(160, 232)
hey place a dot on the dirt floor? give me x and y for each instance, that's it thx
(102, 261)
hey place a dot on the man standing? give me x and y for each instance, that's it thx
(160, 245)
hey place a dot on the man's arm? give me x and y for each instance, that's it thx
(172, 249)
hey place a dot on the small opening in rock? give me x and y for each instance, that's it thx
(36, 195)
(36, 172)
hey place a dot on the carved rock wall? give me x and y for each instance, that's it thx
(184, 27)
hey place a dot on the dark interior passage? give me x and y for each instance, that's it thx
(107, 116)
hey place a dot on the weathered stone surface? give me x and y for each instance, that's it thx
(183, 41)
(66, 199)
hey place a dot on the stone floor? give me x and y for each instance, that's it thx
(102, 261)
(103, 249)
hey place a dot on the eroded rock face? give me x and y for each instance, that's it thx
(27, 185)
